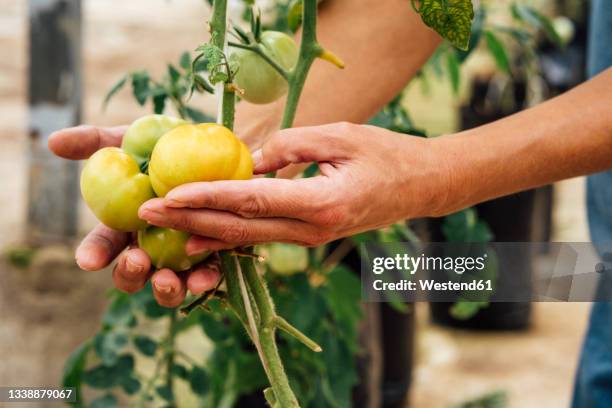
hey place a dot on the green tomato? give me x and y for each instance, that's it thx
(203, 152)
(114, 188)
(142, 135)
(259, 81)
(166, 248)
(286, 259)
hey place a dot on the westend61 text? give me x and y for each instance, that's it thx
(432, 285)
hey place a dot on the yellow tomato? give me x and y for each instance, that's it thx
(203, 152)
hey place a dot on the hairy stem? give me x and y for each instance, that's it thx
(258, 50)
(266, 333)
(309, 51)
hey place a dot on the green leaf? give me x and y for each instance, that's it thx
(198, 380)
(311, 171)
(180, 371)
(159, 103)
(102, 376)
(173, 73)
(185, 60)
(196, 115)
(476, 34)
(538, 20)
(105, 401)
(73, 371)
(165, 392)
(108, 346)
(495, 399)
(140, 86)
(114, 89)
(201, 84)
(212, 54)
(145, 345)
(342, 288)
(130, 385)
(454, 72)
(465, 226)
(498, 51)
(464, 310)
(119, 312)
(294, 15)
(452, 19)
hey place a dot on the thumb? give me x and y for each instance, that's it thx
(326, 143)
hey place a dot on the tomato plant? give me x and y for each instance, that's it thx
(327, 313)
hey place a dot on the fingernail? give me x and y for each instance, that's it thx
(85, 262)
(165, 289)
(132, 265)
(149, 214)
(257, 158)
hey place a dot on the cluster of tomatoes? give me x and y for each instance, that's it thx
(160, 152)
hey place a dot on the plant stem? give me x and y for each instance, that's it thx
(257, 50)
(266, 331)
(309, 51)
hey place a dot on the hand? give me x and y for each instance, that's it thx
(370, 178)
(102, 245)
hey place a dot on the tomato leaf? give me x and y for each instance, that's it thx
(538, 20)
(102, 376)
(130, 385)
(185, 60)
(476, 34)
(452, 19)
(114, 89)
(73, 371)
(140, 86)
(498, 51)
(294, 15)
(145, 345)
(198, 379)
(105, 401)
(108, 345)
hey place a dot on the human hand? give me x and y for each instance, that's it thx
(102, 245)
(370, 178)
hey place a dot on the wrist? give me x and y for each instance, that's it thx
(449, 188)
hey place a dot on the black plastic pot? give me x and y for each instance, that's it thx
(512, 219)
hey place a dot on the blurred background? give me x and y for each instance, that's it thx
(46, 312)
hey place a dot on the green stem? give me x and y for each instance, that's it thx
(257, 50)
(309, 51)
(266, 332)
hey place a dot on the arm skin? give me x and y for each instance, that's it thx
(383, 44)
(371, 177)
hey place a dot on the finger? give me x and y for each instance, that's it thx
(263, 197)
(302, 145)
(203, 278)
(169, 290)
(226, 226)
(132, 270)
(80, 142)
(197, 245)
(100, 247)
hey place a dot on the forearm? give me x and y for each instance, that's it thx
(568, 136)
(383, 43)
